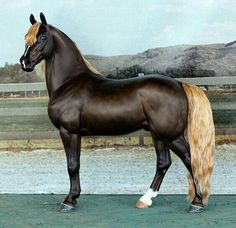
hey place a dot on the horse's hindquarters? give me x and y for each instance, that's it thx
(166, 111)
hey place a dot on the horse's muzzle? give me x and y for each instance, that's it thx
(26, 64)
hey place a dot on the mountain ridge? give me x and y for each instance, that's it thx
(212, 59)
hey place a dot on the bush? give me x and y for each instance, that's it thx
(14, 74)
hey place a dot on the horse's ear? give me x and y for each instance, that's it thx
(32, 19)
(43, 19)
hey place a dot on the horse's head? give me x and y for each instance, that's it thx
(39, 44)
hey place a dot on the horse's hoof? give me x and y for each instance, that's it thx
(141, 204)
(195, 208)
(64, 208)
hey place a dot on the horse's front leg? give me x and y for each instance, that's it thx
(162, 165)
(72, 144)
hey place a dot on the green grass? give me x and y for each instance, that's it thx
(20, 103)
(25, 123)
(222, 98)
(225, 117)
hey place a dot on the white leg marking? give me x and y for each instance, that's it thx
(147, 197)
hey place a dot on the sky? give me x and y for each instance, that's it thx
(117, 27)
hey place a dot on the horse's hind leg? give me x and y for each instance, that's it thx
(181, 148)
(162, 165)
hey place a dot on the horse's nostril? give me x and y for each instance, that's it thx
(27, 62)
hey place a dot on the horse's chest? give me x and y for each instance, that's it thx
(65, 114)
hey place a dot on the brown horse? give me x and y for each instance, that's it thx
(82, 102)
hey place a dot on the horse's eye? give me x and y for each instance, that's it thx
(42, 38)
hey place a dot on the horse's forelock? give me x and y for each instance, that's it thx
(31, 36)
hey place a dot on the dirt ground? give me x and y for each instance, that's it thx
(106, 171)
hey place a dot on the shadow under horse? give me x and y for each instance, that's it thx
(83, 103)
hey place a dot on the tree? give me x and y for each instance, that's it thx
(14, 74)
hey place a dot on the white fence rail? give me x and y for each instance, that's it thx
(210, 81)
(23, 87)
(41, 86)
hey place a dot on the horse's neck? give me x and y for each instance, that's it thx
(65, 64)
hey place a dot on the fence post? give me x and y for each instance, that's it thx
(141, 140)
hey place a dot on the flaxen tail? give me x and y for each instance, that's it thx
(201, 138)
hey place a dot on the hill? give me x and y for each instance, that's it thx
(177, 61)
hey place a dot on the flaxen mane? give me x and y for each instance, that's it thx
(87, 63)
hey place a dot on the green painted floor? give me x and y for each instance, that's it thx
(114, 211)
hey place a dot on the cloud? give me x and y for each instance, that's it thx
(219, 29)
(172, 8)
(75, 4)
(216, 32)
(164, 37)
(169, 32)
(15, 4)
(181, 6)
(221, 25)
(227, 5)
